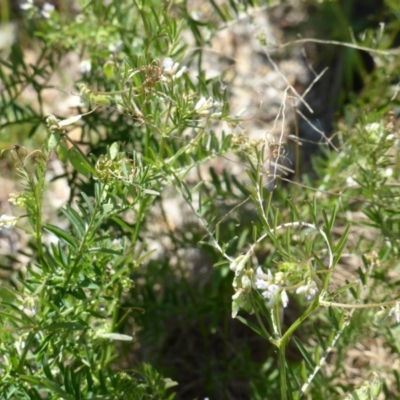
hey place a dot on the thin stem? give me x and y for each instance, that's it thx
(282, 372)
(359, 306)
(288, 334)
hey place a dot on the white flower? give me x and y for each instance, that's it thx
(373, 127)
(170, 68)
(375, 131)
(270, 295)
(284, 298)
(8, 221)
(27, 6)
(263, 280)
(85, 66)
(388, 172)
(350, 182)
(310, 290)
(47, 10)
(114, 47)
(20, 344)
(270, 290)
(29, 306)
(201, 103)
(208, 107)
(395, 311)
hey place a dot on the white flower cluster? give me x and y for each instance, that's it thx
(309, 290)
(271, 286)
(46, 10)
(270, 290)
(8, 221)
(208, 107)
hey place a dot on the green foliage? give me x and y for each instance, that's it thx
(110, 297)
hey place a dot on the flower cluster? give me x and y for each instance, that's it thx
(272, 287)
(8, 221)
(270, 290)
(208, 107)
(309, 290)
(45, 11)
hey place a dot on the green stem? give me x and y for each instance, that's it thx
(299, 321)
(282, 371)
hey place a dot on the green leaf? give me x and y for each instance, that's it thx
(253, 327)
(61, 234)
(123, 224)
(55, 388)
(321, 341)
(114, 150)
(62, 151)
(88, 202)
(76, 220)
(104, 251)
(80, 163)
(30, 379)
(304, 353)
(76, 326)
(52, 140)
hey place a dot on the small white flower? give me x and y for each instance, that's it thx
(270, 290)
(27, 6)
(284, 298)
(85, 66)
(395, 311)
(200, 104)
(114, 47)
(47, 10)
(350, 182)
(170, 68)
(29, 306)
(270, 295)
(391, 136)
(388, 172)
(207, 107)
(20, 344)
(116, 243)
(310, 290)
(263, 280)
(8, 221)
(375, 131)
(373, 127)
(180, 72)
